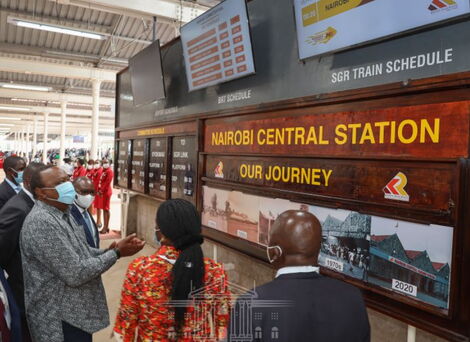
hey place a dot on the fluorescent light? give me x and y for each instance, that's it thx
(20, 109)
(9, 125)
(54, 28)
(28, 100)
(25, 87)
(9, 118)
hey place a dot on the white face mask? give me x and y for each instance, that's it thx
(269, 255)
(84, 201)
(105, 165)
(97, 166)
(89, 167)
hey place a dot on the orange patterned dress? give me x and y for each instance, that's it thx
(146, 314)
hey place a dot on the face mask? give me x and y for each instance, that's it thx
(105, 165)
(89, 167)
(19, 176)
(97, 166)
(84, 201)
(66, 193)
(269, 255)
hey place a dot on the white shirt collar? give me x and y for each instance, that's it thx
(29, 194)
(80, 209)
(15, 187)
(297, 269)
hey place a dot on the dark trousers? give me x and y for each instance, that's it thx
(73, 334)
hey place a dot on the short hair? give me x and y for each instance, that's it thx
(83, 179)
(31, 168)
(67, 160)
(36, 180)
(11, 162)
(91, 161)
(81, 161)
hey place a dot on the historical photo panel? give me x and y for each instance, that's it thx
(413, 259)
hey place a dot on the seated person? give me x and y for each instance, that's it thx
(304, 305)
(156, 300)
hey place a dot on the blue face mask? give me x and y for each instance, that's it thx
(18, 177)
(66, 193)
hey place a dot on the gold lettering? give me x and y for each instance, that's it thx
(414, 131)
(341, 136)
(433, 133)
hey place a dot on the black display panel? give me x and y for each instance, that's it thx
(123, 164)
(137, 169)
(183, 168)
(146, 75)
(157, 167)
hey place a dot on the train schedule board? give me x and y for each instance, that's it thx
(122, 168)
(157, 167)
(183, 175)
(328, 25)
(217, 45)
(138, 170)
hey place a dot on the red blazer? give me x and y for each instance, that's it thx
(97, 177)
(106, 180)
(79, 172)
(90, 173)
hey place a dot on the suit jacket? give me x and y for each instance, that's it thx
(12, 216)
(309, 308)
(6, 192)
(62, 275)
(77, 215)
(15, 327)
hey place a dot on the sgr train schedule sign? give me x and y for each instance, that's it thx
(328, 25)
(217, 45)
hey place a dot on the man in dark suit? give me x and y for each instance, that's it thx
(79, 210)
(10, 322)
(316, 308)
(12, 216)
(13, 167)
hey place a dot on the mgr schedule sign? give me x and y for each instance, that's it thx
(217, 45)
(328, 25)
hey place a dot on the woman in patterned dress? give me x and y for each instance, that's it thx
(174, 294)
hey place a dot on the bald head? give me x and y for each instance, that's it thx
(298, 234)
(84, 186)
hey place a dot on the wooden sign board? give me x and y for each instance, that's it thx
(426, 186)
(437, 131)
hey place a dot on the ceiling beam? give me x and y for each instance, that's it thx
(52, 96)
(163, 9)
(8, 64)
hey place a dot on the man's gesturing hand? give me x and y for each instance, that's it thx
(130, 245)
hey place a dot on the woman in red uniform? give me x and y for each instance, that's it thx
(90, 170)
(103, 196)
(177, 271)
(79, 170)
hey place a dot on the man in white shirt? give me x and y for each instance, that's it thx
(68, 167)
(321, 308)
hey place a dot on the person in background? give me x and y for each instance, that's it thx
(79, 170)
(317, 308)
(79, 210)
(103, 196)
(64, 294)
(90, 169)
(68, 167)
(10, 324)
(176, 269)
(12, 216)
(13, 167)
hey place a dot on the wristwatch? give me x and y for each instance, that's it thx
(118, 253)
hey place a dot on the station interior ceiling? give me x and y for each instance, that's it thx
(51, 51)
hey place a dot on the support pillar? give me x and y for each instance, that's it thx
(28, 145)
(63, 107)
(95, 118)
(23, 143)
(35, 134)
(46, 127)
